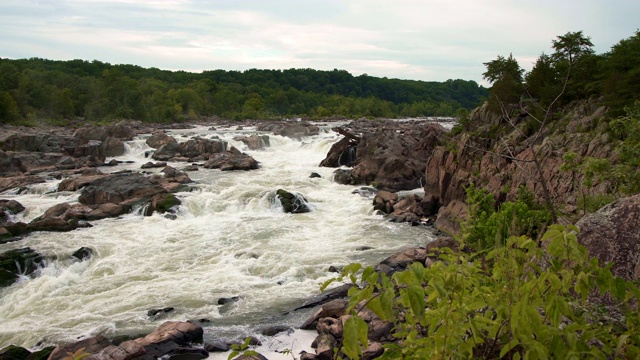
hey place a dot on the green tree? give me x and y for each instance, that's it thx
(505, 75)
(571, 46)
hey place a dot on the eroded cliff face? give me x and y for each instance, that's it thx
(497, 154)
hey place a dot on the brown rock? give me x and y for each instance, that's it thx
(404, 258)
(325, 345)
(176, 331)
(231, 160)
(449, 217)
(91, 346)
(443, 242)
(372, 351)
(334, 309)
(160, 138)
(331, 326)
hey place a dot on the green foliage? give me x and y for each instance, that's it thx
(101, 91)
(519, 301)
(487, 228)
(241, 349)
(77, 355)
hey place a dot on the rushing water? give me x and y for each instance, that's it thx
(229, 239)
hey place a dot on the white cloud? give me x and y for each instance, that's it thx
(413, 39)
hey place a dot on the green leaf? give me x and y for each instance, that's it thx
(354, 335)
(508, 347)
(416, 300)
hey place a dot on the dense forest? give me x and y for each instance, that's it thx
(46, 89)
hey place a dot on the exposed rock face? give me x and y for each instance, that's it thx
(45, 143)
(91, 346)
(390, 156)
(476, 160)
(612, 234)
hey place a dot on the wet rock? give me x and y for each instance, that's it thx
(91, 345)
(119, 131)
(612, 234)
(196, 149)
(151, 165)
(275, 330)
(254, 142)
(181, 333)
(159, 138)
(307, 356)
(363, 248)
(162, 203)
(366, 191)
(118, 188)
(13, 352)
(328, 295)
(292, 203)
(335, 269)
(19, 182)
(343, 176)
(228, 300)
(191, 168)
(294, 130)
(216, 346)
(342, 153)
(314, 175)
(41, 354)
(189, 354)
(22, 261)
(155, 313)
(400, 260)
(84, 253)
(11, 206)
(384, 201)
(54, 224)
(231, 160)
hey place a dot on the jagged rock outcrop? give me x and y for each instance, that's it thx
(390, 156)
(502, 163)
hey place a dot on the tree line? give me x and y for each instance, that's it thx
(39, 88)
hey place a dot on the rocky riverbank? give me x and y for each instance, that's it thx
(388, 156)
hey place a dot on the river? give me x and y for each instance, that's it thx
(229, 239)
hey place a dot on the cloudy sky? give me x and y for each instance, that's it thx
(408, 39)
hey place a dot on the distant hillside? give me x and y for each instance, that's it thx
(40, 88)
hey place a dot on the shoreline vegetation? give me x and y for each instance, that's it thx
(512, 277)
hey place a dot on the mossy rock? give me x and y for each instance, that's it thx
(162, 203)
(41, 354)
(292, 203)
(13, 352)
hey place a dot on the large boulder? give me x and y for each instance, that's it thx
(254, 142)
(159, 138)
(90, 345)
(612, 234)
(195, 149)
(38, 142)
(119, 188)
(181, 333)
(232, 160)
(294, 130)
(19, 261)
(292, 203)
(390, 156)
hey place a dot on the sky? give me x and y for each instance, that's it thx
(431, 40)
